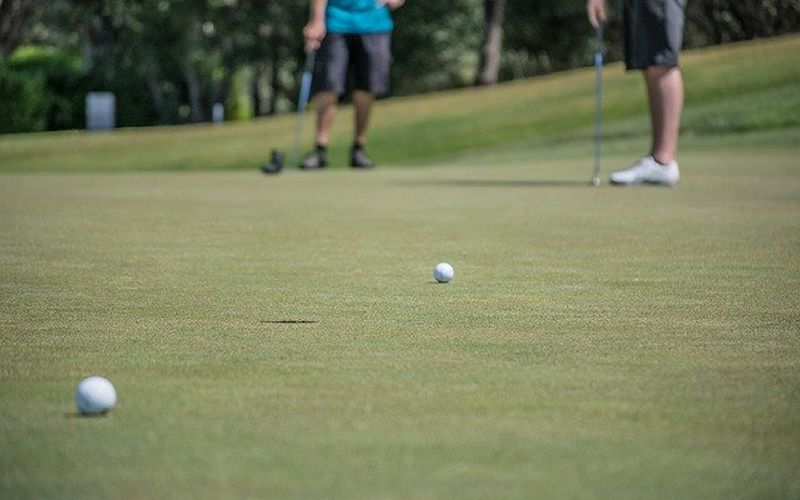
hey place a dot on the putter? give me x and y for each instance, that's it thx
(277, 157)
(598, 103)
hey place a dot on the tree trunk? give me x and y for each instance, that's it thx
(255, 90)
(274, 81)
(193, 87)
(489, 65)
(158, 99)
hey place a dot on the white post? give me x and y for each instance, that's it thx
(101, 111)
(218, 113)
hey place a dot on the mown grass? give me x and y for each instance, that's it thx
(283, 336)
(737, 88)
(611, 343)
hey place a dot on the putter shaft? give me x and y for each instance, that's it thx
(302, 102)
(598, 110)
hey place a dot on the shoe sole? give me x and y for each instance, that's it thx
(271, 169)
(642, 183)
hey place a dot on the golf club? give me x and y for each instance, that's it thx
(598, 110)
(277, 157)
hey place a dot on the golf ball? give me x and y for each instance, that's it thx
(95, 396)
(443, 272)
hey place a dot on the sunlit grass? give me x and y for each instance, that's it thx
(743, 87)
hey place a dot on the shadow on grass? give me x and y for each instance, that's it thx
(489, 183)
(287, 322)
(90, 416)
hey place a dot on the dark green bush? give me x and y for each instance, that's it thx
(42, 89)
(23, 101)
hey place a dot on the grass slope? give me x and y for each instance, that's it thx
(743, 87)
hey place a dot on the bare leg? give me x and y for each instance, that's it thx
(327, 103)
(363, 104)
(665, 93)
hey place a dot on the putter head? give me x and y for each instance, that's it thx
(595, 181)
(275, 164)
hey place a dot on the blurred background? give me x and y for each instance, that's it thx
(174, 62)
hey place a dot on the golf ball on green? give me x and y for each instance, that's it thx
(95, 396)
(443, 272)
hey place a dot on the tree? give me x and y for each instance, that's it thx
(435, 45)
(15, 21)
(720, 21)
(489, 65)
(170, 61)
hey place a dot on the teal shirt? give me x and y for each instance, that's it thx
(358, 17)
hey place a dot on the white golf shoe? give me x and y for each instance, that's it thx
(647, 171)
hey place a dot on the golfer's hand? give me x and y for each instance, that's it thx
(392, 4)
(598, 12)
(313, 33)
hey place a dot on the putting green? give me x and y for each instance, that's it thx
(283, 337)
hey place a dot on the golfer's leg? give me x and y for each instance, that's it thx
(371, 57)
(665, 93)
(363, 106)
(327, 103)
(330, 82)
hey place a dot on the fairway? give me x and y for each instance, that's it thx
(284, 337)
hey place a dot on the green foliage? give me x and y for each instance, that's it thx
(542, 37)
(56, 76)
(23, 101)
(721, 21)
(170, 61)
(435, 45)
(239, 106)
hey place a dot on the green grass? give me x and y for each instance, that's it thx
(736, 88)
(596, 343)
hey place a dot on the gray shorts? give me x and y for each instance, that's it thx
(363, 60)
(653, 32)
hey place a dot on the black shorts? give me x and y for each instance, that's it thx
(364, 59)
(653, 32)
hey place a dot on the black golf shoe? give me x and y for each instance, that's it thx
(359, 158)
(275, 163)
(315, 160)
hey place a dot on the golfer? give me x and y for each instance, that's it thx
(653, 39)
(354, 39)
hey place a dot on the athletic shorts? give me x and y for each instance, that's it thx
(653, 32)
(361, 60)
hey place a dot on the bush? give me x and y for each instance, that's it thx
(23, 102)
(42, 89)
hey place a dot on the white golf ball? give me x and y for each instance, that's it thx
(95, 396)
(443, 272)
